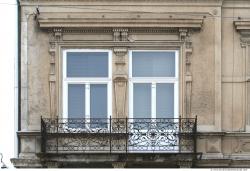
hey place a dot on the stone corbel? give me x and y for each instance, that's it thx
(120, 81)
(185, 163)
(119, 164)
(120, 34)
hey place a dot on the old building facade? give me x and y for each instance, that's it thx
(121, 60)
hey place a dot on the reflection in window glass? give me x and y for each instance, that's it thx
(142, 100)
(165, 100)
(153, 64)
(87, 64)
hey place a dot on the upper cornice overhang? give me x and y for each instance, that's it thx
(233, 4)
(116, 21)
(124, 2)
(243, 27)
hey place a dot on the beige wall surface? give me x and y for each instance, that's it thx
(214, 59)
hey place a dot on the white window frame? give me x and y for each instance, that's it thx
(87, 81)
(153, 81)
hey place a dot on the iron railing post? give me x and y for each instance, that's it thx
(179, 133)
(43, 144)
(126, 135)
(195, 135)
(57, 124)
(110, 128)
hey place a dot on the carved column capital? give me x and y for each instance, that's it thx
(245, 39)
(120, 51)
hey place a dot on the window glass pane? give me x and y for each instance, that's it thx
(76, 104)
(87, 64)
(98, 100)
(142, 100)
(165, 100)
(98, 105)
(153, 64)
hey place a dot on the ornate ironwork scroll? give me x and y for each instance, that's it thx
(118, 135)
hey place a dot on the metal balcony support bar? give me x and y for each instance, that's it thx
(179, 134)
(43, 133)
(110, 131)
(195, 135)
(126, 126)
(57, 125)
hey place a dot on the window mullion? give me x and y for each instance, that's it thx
(153, 100)
(87, 103)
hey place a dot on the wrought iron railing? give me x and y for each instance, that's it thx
(119, 135)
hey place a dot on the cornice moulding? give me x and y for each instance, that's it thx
(234, 4)
(47, 23)
(124, 2)
(242, 25)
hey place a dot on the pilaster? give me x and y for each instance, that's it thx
(243, 27)
(120, 81)
(185, 37)
(55, 37)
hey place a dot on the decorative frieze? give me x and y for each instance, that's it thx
(120, 34)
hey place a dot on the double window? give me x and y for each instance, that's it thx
(87, 86)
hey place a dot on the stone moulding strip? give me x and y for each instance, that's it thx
(116, 23)
(242, 25)
(29, 133)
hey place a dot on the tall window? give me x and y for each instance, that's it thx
(87, 84)
(153, 89)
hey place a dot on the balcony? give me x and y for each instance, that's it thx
(118, 135)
